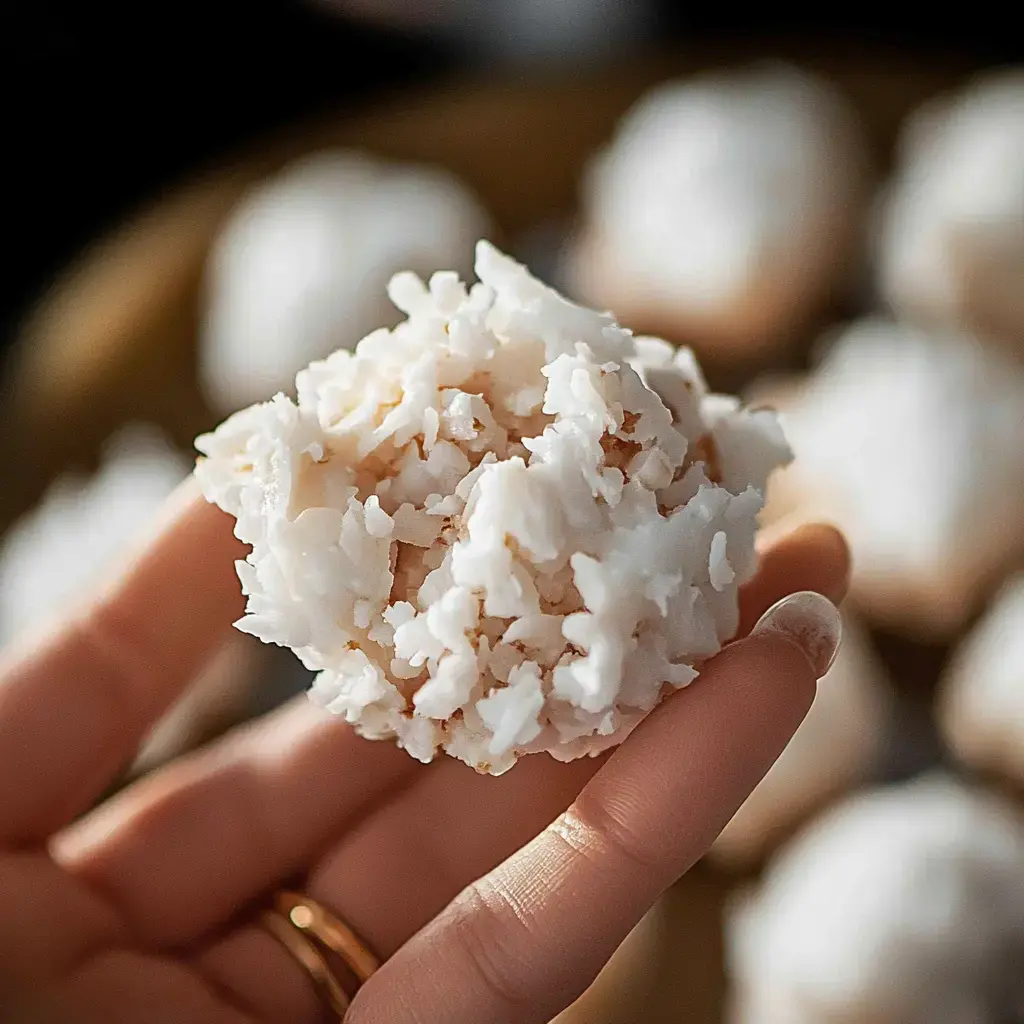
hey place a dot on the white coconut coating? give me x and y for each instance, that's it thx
(487, 531)
(910, 442)
(301, 267)
(902, 906)
(952, 228)
(982, 696)
(724, 207)
(838, 745)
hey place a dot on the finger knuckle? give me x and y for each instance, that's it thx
(492, 938)
(594, 830)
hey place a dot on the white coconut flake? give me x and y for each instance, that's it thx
(504, 526)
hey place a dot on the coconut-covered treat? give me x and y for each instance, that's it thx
(504, 526)
(952, 227)
(981, 704)
(59, 549)
(838, 745)
(725, 209)
(911, 443)
(902, 906)
(301, 266)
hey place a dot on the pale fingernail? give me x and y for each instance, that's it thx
(810, 622)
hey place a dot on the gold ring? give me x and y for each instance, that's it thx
(306, 929)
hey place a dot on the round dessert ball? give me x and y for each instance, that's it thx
(506, 526)
(82, 524)
(724, 211)
(301, 267)
(981, 704)
(838, 746)
(910, 441)
(951, 248)
(902, 906)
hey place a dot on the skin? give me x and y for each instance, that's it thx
(493, 899)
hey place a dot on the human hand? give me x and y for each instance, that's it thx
(143, 908)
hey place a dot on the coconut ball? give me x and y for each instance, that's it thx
(301, 266)
(910, 442)
(55, 552)
(724, 209)
(902, 906)
(837, 746)
(504, 526)
(952, 229)
(982, 695)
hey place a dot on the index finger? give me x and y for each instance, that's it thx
(519, 945)
(76, 703)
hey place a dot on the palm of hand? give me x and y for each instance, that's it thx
(143, 908)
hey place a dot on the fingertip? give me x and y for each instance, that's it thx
(804, 541)
(806, 557)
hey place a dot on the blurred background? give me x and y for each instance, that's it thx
(829, 209)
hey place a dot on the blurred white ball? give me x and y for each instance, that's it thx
(913, 444)
(724, 208)
(981, 704)
(302, 265)
(952, 229)
(901, 906)
(82, 524)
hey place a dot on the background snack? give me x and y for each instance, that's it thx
(910, 442)
(486, 530)
(301, 266)
(981, 705)
(952, 229)
(901, 906)
(60, 548)
(838, 745)
(724, 210)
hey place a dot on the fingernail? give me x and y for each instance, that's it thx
(810, 622)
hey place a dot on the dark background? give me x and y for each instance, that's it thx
(108, 105)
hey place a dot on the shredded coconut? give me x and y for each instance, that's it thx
(504, 526)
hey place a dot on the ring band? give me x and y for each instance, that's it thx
(310, 959)
(306, 928)
(315, 920)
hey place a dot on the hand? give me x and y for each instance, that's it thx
(141, 909)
